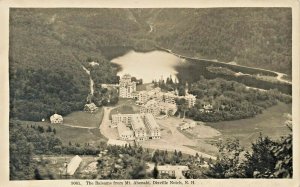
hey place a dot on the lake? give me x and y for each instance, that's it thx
(156, 64)
(149, 66)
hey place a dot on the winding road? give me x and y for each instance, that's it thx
(279, 75)
(105, 130)
(151, 27)
(80, 127)
(91, 80)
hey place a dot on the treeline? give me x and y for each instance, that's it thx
(25, 143)
(230, 100)
(266, 159)
(195, 69)
(129, 162)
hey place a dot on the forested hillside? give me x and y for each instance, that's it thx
(257, 37)
(48, 47)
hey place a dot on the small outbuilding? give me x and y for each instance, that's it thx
(90, 107)
(56, 119)
(117, 142)
(176, 171)
(94, 63)
(73, 165)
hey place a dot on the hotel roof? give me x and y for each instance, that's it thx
(151, 102)
(122, 128)
(151, 120)
(137, 122)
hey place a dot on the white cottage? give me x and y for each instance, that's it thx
(56, 119)
(90, 107)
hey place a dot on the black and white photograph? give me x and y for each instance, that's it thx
(142, 96)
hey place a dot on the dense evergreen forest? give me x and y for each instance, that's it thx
(48, 47)
(229, 100)
(257, 37)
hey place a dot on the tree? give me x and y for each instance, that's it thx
(37, 175)
(49, 129)
(41, 129)
(138, 170)
(266, 159)
(228, 164)
(261, 161)
(179, 154)
(155, 171)
(284, 154)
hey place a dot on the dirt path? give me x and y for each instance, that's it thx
(280, 78)
(110, 133)
(91, 80)
(81, 127)
(279, 75)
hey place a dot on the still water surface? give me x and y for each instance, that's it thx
(149, 66)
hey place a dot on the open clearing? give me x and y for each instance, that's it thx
(84, 119)
(125, 106)
(73, 134)
(269, 123)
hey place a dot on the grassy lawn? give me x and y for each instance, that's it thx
(79, 135)
(125, 106)
(73, 134)
(270, 123)
(125, 109)
(123, 101)
(204, 147)
(199, 134)
(84, 119)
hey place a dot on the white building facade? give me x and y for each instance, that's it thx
(56, 119)
(139, 128)
(127, 87)
(125, 133)
(152, 126)
(136, 126)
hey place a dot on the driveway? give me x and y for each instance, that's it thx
(109, 133)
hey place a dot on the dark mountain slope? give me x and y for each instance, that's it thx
(257, 37)
(47, 48)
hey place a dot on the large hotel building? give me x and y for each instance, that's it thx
(127, 87)
(143, 127)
